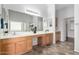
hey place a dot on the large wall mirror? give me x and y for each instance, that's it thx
(21, 21)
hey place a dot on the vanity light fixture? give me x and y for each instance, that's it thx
(30, 11)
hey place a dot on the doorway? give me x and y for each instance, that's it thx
(70, 29)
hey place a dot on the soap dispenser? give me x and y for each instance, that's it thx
(2, 23)
(6, 27)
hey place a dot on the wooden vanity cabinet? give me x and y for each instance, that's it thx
(45, 39)
(21, 45)
(17, 45)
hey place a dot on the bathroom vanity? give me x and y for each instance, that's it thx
(19, 44)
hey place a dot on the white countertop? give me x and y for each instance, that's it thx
(21, 34)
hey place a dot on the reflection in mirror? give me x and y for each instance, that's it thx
(23, 21)
(15, 26)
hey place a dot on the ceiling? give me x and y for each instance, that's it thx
(61, 6)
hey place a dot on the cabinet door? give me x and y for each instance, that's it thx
(21, 47)
(8, 48)
(47, 39)
(51, 38)
(29, 44)
(43, 40)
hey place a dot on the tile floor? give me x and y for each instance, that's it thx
(64, 48)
